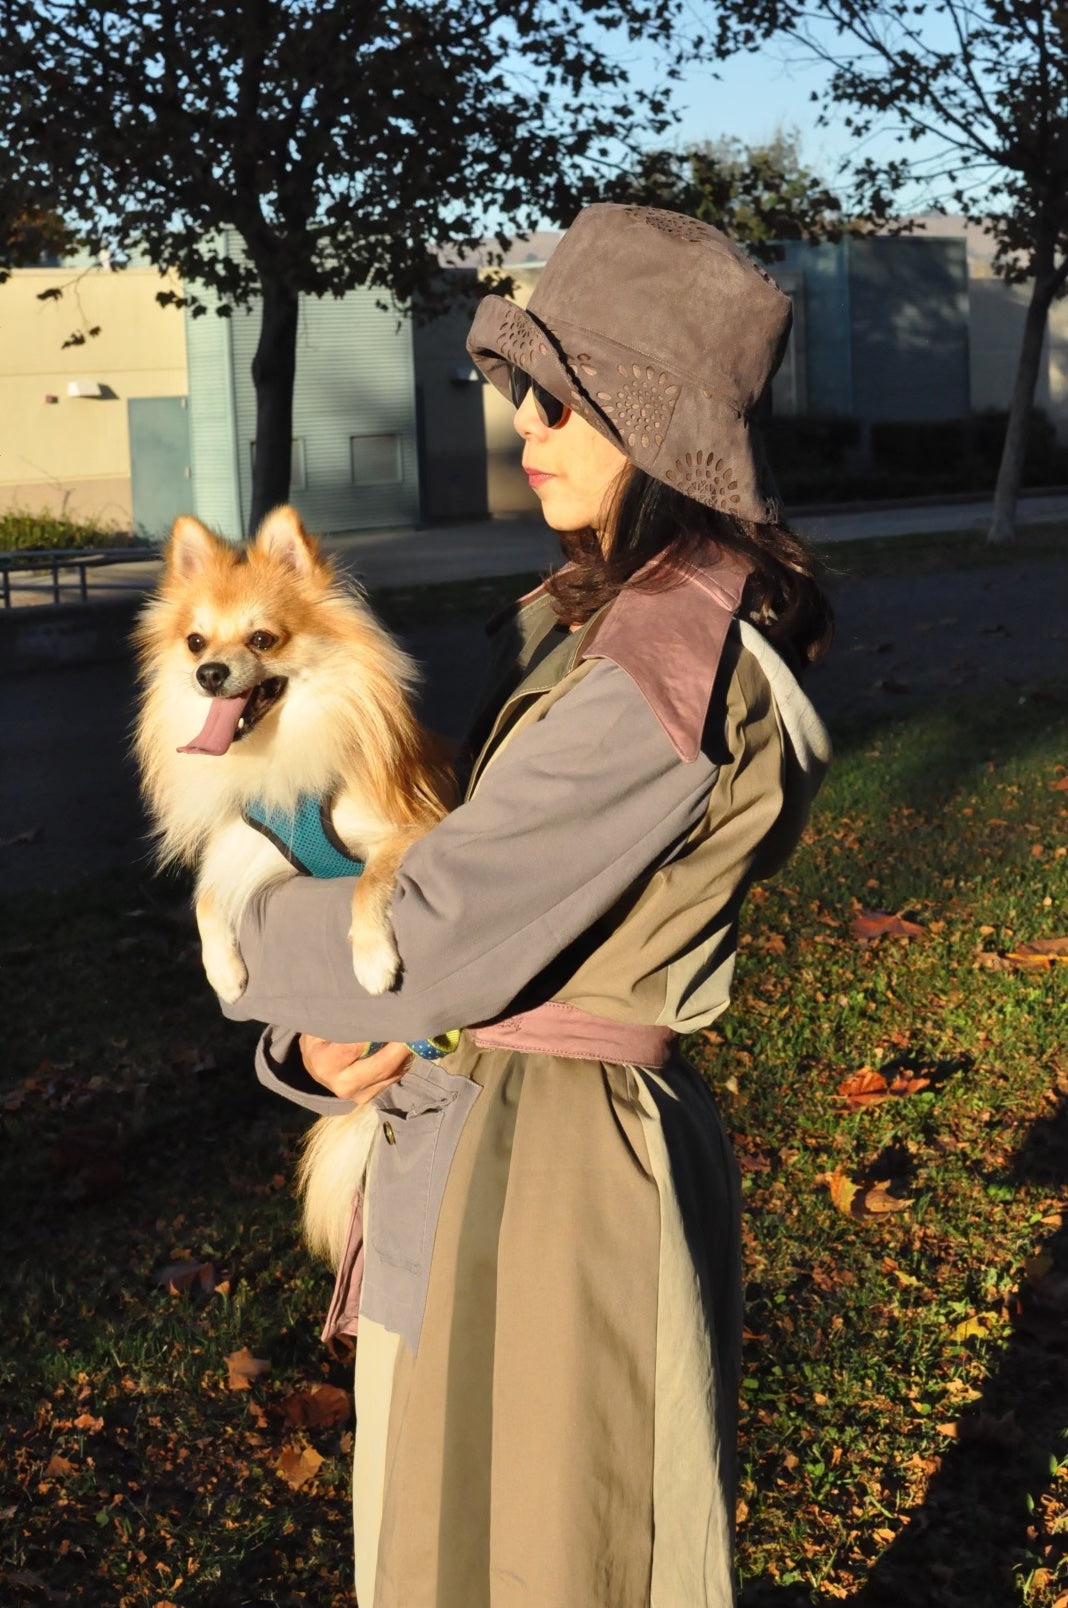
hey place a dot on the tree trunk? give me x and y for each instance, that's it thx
(1010, 471)
(273, 371)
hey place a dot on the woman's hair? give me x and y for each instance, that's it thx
(651, 524)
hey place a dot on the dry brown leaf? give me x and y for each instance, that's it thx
(59, 1467)
(868, 925)
(317, 1408)
(947, 1429)
(989, 960)
(243, 1368)
(298, 1465)
(878, 1201)
(864, 1202)
(1060, 786)
(864, 1088)
(86, 1422)
(1040, 952)
(181, 1278)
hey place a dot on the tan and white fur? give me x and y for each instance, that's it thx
(329, 713)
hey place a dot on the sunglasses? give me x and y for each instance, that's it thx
(551, 411)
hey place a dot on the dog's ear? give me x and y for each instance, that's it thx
(192, 547)
(283, 538)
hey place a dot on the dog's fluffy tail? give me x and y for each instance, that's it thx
(330, 1171)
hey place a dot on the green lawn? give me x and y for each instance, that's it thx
(906, 1375)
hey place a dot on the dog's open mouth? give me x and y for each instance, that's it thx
(230, 719)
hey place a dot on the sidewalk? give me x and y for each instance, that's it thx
(518, 544)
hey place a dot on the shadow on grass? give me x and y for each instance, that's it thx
(998, 1475)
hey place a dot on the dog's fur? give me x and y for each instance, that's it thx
(342, 728)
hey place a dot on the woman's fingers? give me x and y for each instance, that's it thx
(347, 1072)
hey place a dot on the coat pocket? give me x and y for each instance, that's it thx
(421, 1119)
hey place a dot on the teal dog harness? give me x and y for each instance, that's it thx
(307, 838)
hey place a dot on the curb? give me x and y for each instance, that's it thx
(66, 634)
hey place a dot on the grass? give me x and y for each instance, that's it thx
(906, 1377)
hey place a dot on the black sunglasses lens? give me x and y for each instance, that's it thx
(550, 409)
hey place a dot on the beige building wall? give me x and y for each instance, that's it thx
(71, 454)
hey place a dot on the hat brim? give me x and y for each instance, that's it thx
(632, 402)
(504, 336)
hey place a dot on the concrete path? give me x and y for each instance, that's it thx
(518, 545)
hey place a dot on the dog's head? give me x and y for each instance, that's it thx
(230, 627)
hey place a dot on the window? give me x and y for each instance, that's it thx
(376, 460)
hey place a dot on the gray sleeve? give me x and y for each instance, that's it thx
(570, 814)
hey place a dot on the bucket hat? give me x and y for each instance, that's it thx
(663, 335)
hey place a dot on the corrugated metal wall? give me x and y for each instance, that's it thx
(355, 459)
(212, 442)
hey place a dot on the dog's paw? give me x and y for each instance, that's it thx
(227, 975)
(375, 962)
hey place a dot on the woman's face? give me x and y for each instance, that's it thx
(572, 468)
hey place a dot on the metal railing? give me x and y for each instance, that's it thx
(39, 562)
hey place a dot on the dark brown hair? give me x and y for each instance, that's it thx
(650, 521)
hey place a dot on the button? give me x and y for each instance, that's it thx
(390, 1136)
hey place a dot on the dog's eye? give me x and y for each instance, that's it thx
(195, 642)
(260, 641)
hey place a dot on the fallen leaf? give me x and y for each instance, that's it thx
(317, 1408)
(59, 1467)
(298, 1465)
(866, 1201)
(868, 925)
(976, 1327)
(1060, 787)
(947, 1429)
(180, 1278)
(91, 1425)
(864, 1088)
(243, 1368)
(1039, 954)
(878, 1200)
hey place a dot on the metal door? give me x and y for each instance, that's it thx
(161, 477)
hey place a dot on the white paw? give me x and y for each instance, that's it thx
(375, 962)
(226, 974)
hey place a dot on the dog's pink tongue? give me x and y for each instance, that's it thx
(219, 728)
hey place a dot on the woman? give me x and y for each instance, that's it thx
(549, 1319)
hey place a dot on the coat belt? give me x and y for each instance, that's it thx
(556, 1028)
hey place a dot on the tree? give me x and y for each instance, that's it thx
(761, 195)
(984, 85)
(343, 140)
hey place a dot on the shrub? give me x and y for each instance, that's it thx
(22, 531)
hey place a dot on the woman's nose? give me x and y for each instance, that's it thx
(527, 421)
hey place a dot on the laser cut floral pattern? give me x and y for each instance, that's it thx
(706, 478)
(519, 340)
(670, 223)
(641, 407)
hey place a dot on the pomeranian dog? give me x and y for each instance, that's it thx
(268, 685)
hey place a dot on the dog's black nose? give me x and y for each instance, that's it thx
(212, 677)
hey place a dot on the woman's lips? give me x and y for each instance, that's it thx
(537, 477)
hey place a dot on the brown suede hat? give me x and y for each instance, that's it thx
(663, 336)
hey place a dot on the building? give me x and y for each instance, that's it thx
(393, 426)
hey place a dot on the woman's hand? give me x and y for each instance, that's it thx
(339, 1069)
